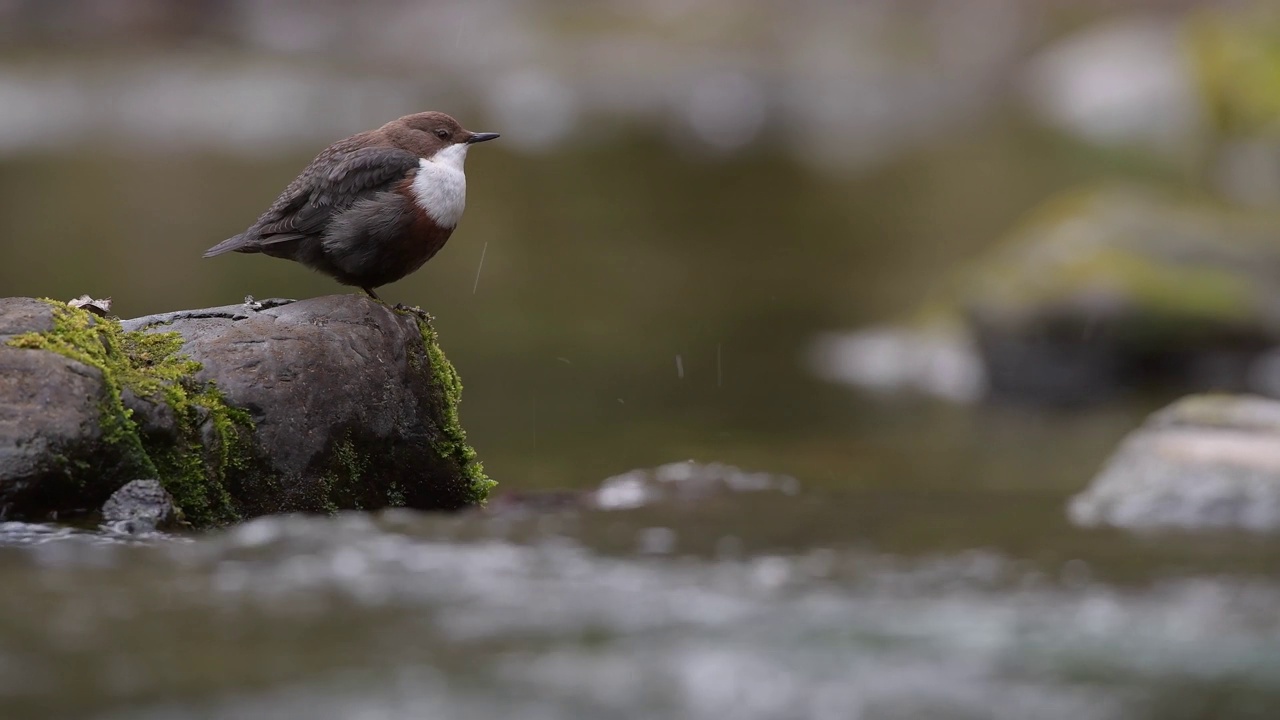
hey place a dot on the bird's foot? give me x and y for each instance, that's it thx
(417, 311)
(371, 293)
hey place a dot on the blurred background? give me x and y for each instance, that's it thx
(691, 204)
(932, 257)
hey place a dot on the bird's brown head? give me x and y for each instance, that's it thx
(427, 133)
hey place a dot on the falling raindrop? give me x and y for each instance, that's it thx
(476, 286)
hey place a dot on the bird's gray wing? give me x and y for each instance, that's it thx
(332, 183)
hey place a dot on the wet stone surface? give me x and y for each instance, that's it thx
(1205, 462)
(141, 506)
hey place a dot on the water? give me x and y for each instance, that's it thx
(665, 611)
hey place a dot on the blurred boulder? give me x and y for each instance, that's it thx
(325, 404)
(1208, 461)
(1109, 289)
(1097, 292)
(935, 358)
(685, 482)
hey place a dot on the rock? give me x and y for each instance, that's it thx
(1207, 461)
(679, 483)
(141, 506)
(1098, 292)
(1111, 288)
(24, 315)
(54, 457)
(684, 481)
(931, 359)
(332, 403)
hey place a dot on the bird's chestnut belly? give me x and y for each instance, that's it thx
(381, 240)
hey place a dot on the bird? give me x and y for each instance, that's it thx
(371, 208)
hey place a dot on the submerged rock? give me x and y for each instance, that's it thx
(141, 506)
(684, 482)
(677, 483)
(332, 403)
(1207, 461)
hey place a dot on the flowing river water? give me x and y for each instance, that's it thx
(768, 603)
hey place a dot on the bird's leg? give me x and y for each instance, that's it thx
(398, 306)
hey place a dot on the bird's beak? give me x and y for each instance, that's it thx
(481, 137)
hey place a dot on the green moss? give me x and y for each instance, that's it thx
(1235, 58)
(453, 444)
(1121, 242)
(344, 483)
(329, 485)
(194, 473)
(395, 495)
(150, 366)
(351, 461)
(1161, 289)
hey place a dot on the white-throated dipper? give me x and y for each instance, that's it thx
(371, 208)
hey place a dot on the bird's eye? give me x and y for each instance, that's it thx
(442, 134)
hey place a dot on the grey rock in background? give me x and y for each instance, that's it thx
(1207, 461)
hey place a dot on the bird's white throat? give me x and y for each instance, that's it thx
(440, 187)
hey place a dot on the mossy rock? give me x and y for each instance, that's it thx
(1127, 249)
(316, 406)
(1103, 288)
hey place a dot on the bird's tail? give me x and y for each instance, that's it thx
(238, 243)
